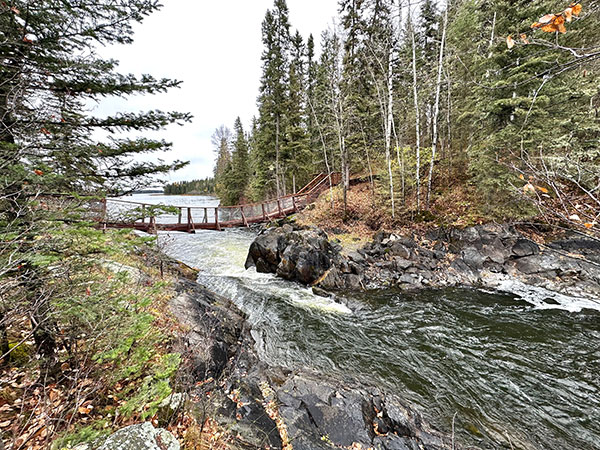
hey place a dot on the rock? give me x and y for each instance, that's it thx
(264, 253)
(141, 436)
(357, 258)
(402, 264)
(525, 247)
(399, 249)
(170, 406)
(344, 414)
(473, 258)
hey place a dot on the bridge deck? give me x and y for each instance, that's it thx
(116, 213)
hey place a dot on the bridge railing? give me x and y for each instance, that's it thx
(126, 213)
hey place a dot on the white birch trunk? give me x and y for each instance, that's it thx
(417, 126)
(436, 107)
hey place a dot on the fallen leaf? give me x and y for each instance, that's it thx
(510, 42)
(576, 7)
(588, 225)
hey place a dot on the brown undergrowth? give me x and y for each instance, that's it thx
(113, 362)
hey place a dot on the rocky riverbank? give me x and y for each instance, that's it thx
(264, 406)
(488, 256)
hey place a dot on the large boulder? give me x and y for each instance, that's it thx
(142, 436)
(304, 255)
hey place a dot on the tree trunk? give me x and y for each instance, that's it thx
(277, 174)
(417, 127)
(388, 128)
(436, 106)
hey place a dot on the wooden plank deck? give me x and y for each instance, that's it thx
(152, 218)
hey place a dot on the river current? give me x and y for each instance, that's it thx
(507, 372)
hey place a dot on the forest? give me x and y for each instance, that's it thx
(203, 186)
(490, 104)
(482, 115)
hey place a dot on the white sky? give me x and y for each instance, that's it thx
(214, 47)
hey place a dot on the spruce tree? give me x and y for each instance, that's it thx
(272, 102)
(49, 158)
(296, 154)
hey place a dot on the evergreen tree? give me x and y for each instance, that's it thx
(272, 101)
(239, 165)
(221, 143)
(296, 153)
(49, 71)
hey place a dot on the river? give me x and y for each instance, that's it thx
(509, 373)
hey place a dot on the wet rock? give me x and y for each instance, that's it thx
(344, 415)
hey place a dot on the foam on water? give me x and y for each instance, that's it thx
(542, 298)
(223, 256)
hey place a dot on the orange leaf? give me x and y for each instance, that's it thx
(588, 225)
(542, 189)
(510, 42)
(83, 410)
(521, 177)
(576, 8)
(550, 28)
(548, 18)
(45, 131)
(15, 10)
(524, 38)
(38, 172)
(558, 20)
(561, 28)
(568, 14)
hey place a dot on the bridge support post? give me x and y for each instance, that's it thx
(179, 217)
(144, 214)
(244, 220)
(263, 211)
(279, 207)
(189, 219)
(217, 219)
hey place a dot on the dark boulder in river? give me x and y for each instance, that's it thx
(303, 255)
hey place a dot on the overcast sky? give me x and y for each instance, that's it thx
(214, 47)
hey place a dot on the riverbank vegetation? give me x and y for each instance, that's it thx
(84, 337)
(492, 105)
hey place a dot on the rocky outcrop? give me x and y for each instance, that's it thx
(484, 256)
(264, 406)
(320, 414)
(142, 436)
(303, 255)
